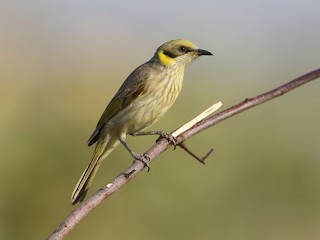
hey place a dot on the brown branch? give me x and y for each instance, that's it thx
(82, 210)
(250, 102)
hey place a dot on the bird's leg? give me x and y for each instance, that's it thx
(142, 158)
(171, 139)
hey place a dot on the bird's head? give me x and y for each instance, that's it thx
(179, 51)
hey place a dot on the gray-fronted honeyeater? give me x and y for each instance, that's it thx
(144, 97)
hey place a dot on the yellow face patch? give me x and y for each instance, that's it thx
(165, 59)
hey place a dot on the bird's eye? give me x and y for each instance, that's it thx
(183, 49)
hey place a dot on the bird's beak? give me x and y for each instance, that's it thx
(201, 52)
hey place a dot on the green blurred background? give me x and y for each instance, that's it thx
(62, 61)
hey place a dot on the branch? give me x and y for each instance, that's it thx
(162, 145)
(249, 103)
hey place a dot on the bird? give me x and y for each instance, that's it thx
(143, 98)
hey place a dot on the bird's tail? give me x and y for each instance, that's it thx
(102, 150)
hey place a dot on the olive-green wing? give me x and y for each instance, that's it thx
(128, 92)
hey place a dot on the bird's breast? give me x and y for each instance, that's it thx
(158, 95)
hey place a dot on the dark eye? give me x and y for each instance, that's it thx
(182, 49)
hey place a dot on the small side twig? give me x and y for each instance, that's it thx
(201, 160)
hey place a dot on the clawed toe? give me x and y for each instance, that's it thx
(171, 139)
(145, 159)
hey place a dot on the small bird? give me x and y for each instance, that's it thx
(144, 97)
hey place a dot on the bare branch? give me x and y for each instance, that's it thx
(162, 145)
(251, 102)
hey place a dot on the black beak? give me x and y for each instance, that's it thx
(201, 52)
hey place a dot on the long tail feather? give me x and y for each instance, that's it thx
(101, 151)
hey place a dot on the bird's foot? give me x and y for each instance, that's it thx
(171, 139)
(142, 158)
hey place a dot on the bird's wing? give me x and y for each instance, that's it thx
(130, 90)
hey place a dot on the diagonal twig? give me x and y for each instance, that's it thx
(201, 160)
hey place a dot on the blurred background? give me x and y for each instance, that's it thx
(61, 63)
